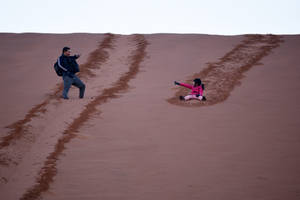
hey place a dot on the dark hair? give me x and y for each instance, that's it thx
(65, 49)
(197, 81)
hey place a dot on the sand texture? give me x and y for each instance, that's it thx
(131, 138)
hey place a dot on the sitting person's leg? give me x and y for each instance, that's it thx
(189, 97)
(192, 96)
(199, 97)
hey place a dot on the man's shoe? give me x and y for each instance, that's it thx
(64, 97)
(203, 98)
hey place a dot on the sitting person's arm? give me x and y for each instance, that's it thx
(183, 84)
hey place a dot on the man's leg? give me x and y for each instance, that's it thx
(78, 83)
(67, 84)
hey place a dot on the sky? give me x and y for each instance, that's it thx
(221, 17)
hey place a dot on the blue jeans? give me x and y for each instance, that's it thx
(70, 80)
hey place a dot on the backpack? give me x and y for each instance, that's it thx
(58, 68)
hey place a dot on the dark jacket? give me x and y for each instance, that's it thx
(69, 63)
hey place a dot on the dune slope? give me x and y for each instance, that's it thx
(131, 137)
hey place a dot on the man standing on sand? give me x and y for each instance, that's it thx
(70, 68)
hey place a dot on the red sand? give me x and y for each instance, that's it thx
(139, 146)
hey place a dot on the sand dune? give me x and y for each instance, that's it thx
(131, 137)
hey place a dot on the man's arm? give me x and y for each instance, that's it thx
(74, 64)
(76, 56)
(60, 65)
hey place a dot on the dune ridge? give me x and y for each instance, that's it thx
(131, 143)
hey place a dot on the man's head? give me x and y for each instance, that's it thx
(66, 51)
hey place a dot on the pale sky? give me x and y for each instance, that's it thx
(222, 17)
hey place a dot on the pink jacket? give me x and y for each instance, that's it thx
(195, 90)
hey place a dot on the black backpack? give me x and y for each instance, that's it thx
(58, 68)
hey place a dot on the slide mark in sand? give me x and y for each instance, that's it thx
(95, 59)
(221, 77)
(49, 170)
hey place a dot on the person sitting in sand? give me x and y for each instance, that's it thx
(197, 90)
